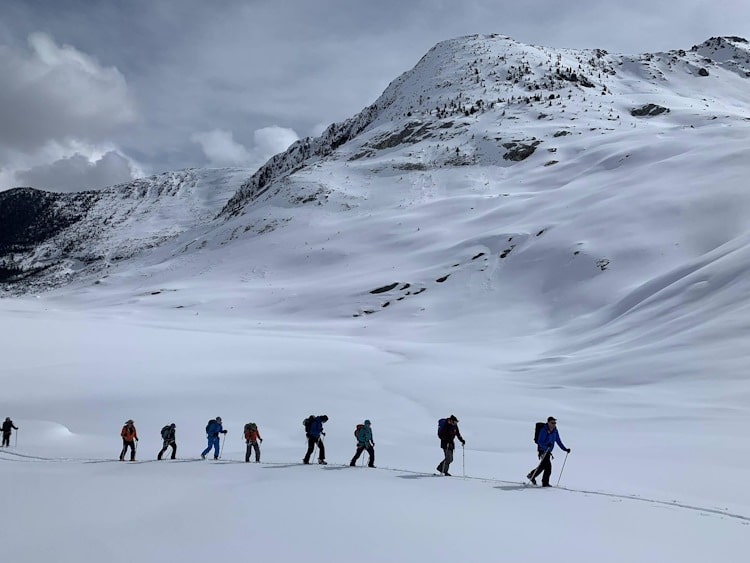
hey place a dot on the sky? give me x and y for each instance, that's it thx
(97, 92)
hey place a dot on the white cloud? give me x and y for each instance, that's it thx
(221, 149)
(272, 140)
(78, 172)
(51, 92)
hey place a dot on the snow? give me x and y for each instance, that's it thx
(609, 290)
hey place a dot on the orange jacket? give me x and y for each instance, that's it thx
(252, 436)
(129, 433)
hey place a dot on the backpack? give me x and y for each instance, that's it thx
(165, 432)
(357, 429)
(441, 427)
(537, 429)
(251, 427)
(307, 422)
(210, 424)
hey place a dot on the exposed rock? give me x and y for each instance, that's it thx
(648, 110)
(519, 151)
(384, 288)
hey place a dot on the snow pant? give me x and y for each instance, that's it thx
(252, 446)
(311, 443)
(125, 445)
(447, 460)
(544, 467)
(360, 449)
(213, 442)
(6, 440)
(168, 443)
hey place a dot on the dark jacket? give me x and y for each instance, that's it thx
(448, 434)
(169, 434)
(547, 440)
(316, 427)
(7, 425)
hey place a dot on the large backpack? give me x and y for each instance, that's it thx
(357, 429)
(307, 422)
(210, 424)
(251, 427)
(441, 427)
(165, 432)
(537, 429)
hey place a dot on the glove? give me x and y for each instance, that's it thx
(224, 431)
(261, 440)
(463, 442)
(568, 450)
(136, 439)
(372, 444)
(323, 433)
(307, 436)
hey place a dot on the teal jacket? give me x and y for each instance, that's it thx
(364, 435)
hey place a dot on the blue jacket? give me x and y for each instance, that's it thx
(546, 440)
(214, 429)
(364, 435)
(316, 427)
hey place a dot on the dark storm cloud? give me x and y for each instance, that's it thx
(77, 173)
(194, 68)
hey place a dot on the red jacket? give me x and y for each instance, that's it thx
(252, 436)
(129, 433)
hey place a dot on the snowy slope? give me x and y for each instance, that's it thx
(542, 252)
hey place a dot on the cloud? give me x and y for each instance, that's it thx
(50, 92)
(273, 140)
(221, 149)
(77, 173)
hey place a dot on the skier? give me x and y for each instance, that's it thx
(168, 435)
(545, 443)
(313, 432)
(364, 442)
(213, 429)
(8, 428)
(129, 437)
(447, 432)
(252, 437)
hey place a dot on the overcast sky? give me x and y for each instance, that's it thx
(97, 92)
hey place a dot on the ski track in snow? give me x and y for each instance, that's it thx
(519, 485)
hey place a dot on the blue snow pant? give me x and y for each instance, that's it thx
(212, 441)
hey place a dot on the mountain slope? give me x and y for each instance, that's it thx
(552, 191)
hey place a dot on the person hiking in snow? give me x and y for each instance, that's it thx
(213, 429)
(129, 437)
(545, 443)
(447, 432)
(363, 434)
(313, 432)
(168, 435)
(252, 437)
(8, 428)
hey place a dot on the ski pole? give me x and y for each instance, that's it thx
(16, 439)
(562, 469)
(463, 458)
(221, 451)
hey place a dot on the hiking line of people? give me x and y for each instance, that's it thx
(546, 436)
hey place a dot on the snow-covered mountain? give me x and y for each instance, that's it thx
(508, 232)
(47, 238)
